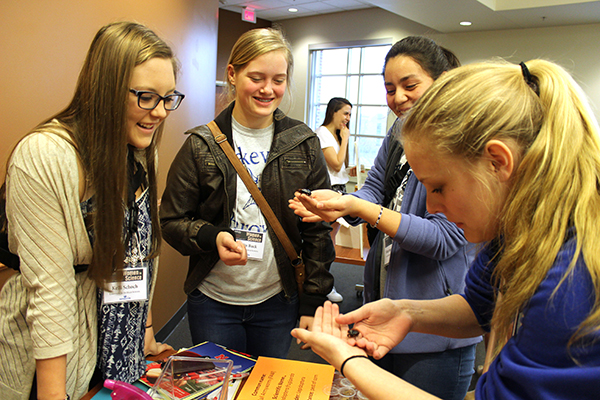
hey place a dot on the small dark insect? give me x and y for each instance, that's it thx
(305, 191)
(353, 333)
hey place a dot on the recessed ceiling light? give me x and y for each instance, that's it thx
(292, 9)
(465, 23)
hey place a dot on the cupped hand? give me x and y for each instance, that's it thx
(328, 338)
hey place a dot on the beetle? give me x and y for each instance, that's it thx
(352, 333)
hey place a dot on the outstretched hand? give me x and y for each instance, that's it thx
(321, 205)
(381, 326)
(328, 338)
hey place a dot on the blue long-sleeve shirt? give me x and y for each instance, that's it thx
(430, 255)
(536, 363)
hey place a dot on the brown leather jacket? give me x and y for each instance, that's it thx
(200, 196)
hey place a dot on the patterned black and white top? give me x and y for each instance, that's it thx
(121, 326)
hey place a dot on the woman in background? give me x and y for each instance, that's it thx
(511, 153)
(333, 135)
(248, 300)
(426, 256)
(81, 191)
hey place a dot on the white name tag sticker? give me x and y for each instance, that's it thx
(133, 287)
(387, 249)
(254, 243)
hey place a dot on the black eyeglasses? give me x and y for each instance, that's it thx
(149, 100)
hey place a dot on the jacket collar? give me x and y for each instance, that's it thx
(282, 123)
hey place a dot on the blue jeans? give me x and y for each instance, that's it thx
(259, 330)
(446, 374)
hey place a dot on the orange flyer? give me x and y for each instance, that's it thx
(282, 379)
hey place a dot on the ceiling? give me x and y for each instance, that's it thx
(441, 15)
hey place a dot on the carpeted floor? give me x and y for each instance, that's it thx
(346, 278)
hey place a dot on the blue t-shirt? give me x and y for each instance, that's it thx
(536, 362)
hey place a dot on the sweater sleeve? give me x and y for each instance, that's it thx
(46, 230)
(373, 187)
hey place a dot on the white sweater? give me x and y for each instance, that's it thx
(46, 310)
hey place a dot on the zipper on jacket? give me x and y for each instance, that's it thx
(295, 163)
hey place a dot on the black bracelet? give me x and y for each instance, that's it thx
(350, 358)
(148, 326)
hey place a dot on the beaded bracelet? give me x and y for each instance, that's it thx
(350, 358)
(378, 218)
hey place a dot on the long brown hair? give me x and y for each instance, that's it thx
(96, 121)
(334, 105)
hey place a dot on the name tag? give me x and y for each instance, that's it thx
(133, 287)
(387, 249)
(254, 242)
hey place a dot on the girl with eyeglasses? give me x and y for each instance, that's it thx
(81, 202)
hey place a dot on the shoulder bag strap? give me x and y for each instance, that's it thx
(297, 263)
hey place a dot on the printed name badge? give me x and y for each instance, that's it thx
(387, 249)
(254, 242)
(133, 287)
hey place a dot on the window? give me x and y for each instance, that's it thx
(352, 71)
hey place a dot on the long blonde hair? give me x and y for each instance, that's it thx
(96, 120)
(254, 43)
(555, 187)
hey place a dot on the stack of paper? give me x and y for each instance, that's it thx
(279, 379)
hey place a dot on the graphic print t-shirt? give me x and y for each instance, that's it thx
(258, 280)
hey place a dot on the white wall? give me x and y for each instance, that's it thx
(372, 23)
(577, 48)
